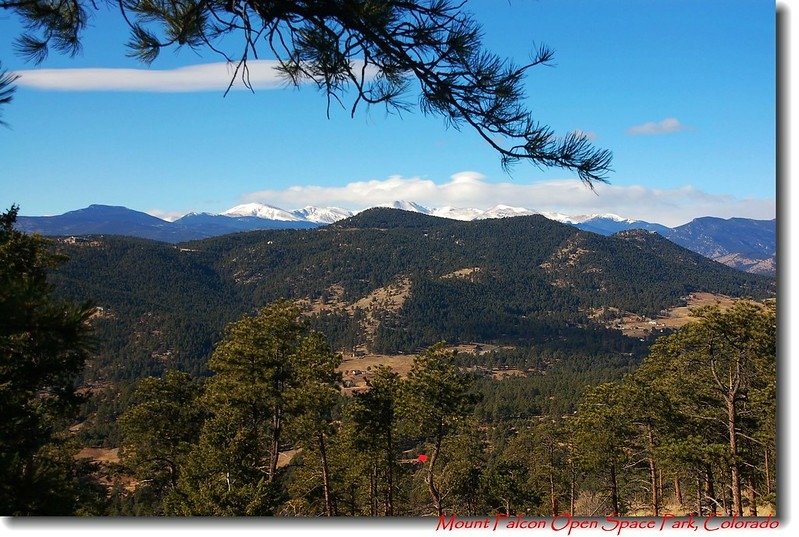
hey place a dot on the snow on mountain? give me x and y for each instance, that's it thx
(582, 218)
(406, 206)
(558, 217)
(192, 214)
(322, 215)
(260, 210)
(455, 213)
(505, 211)
(598, 223)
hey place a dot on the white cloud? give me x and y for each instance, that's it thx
(671, 207)
(668, 125)
(203, 77)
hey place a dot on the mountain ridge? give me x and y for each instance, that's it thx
(745, 244)
(389, 281)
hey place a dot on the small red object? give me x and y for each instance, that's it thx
(422, 458)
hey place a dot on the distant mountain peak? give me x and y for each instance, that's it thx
(322, 215)
(260, 210)
(455, 213)
(406, 206)
(583, 218)
(105, 209)
(105, 206)
(743, 243)
(505, 211)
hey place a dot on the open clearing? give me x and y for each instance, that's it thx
(101, 455)
(637, 326)
(356, 370)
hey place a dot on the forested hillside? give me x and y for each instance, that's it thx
(208, 393)
(522, 281)
(269, 434)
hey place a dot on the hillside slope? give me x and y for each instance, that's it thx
(389, 281)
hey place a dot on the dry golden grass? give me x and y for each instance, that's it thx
(401, 363)
(502, 374)
(357, 369)
(101, 455)
(463, 274)
(476, 348)
(284, 457)
(637, 326)
(389, 298)
(569, 254)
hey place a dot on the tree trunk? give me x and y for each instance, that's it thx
(768, 473)
(677, 490)
(435, 495)
(752, 495)
(277, 425)
(373, 491)
(389, 474)
(614, 491)
(653, 483)
(572, 490)
(734, 470)
(330, 509)
(699, 496)
(710, 491)
(553, 495)
(726, 497)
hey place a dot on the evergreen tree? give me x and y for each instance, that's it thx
(720, 374)
(544, 444)
(465, 466)
(651, 417)
(271, 377)
(158, 431)
(43, 347)
(601, 434)
(436, 397)
(312, 401)
(508, 484)
(374, 416)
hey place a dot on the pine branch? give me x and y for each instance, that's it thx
(367, 48)
(7, 89)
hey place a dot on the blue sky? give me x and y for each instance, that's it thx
(682, 93)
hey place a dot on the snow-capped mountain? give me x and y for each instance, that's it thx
(557, 217)
(322, 215)
(259, 210)
(456, 213)
(329, 215)
(580, 218)
(739, 242)
(505, 211)
(605, 224)
(406, 206)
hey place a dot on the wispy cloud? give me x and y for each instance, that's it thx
(470, 189)
(666, 126)
(262, 74)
